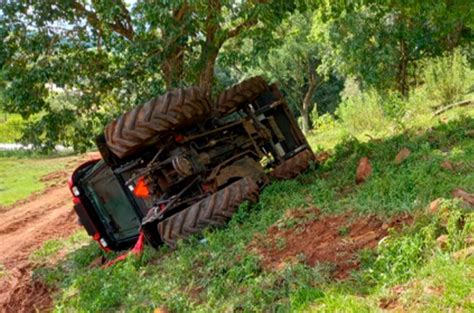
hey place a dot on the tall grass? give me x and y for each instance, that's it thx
(372, 114)
(448, 78)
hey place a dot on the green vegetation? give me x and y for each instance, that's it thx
(51, 248)
(222, 272)
(365, 78)
(68, 82)
(370, 114)
(21, 172)
(11, 128)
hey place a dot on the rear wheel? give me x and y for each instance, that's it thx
(293, 166)
(213, 211)
(140, 127)
(235, 97)
(108, 156)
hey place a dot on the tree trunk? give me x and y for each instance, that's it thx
(403, 69)
(452, 39)
(206, 76)
(305, 118)
(308, 97)
(173, 64)
(307, 106)
(173, 68)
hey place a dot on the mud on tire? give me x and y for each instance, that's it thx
(138, 128)
(215, 211)
(235, 97)
(293, 166)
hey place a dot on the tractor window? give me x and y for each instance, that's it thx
(114, 208)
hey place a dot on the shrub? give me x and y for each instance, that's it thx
(394, 107)
(447, 78)
(11, 129)
(363, 113)
(324, 122)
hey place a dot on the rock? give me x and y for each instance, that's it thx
(364, 169)
(161, 310)
(402, 155)
(464, 196)
(464, 253)
(433, 208)
(447, 166)
(442, 241)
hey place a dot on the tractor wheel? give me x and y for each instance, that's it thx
(215, 211)
(235, 97)
(108, 156)
(293, 166)
(138, 128)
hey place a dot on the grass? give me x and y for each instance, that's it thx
(221, 273)
(53, 247)
(21, 176)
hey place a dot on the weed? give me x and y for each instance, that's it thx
(344, 230)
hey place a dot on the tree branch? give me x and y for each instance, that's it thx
(118, 26)
(452, 106)
(238, 29)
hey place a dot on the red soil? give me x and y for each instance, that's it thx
(331, 239)
(24, 227)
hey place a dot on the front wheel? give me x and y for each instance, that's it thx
(213, 211)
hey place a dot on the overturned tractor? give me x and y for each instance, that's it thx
(181, 163)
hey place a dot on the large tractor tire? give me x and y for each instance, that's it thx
(235, 97)
(138, 128)
(213, 211)
(293, 166)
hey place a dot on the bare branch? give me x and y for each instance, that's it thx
(452, 106)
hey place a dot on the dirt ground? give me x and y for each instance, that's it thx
(315, 238)
(332, 239)
(23, 229)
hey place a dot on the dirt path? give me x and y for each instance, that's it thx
(23, 229)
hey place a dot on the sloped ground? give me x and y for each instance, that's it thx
(24, 227)
(369, 246)
(332, 239)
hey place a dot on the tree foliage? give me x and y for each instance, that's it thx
(107, 55)
(69, 66)
(380, 42)
(294, 62)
